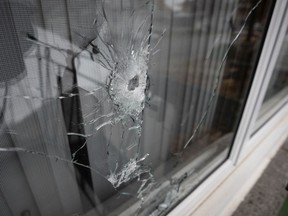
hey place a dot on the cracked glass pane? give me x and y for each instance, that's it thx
(120, 107)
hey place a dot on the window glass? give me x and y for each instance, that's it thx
(120, 107)
(277, 90)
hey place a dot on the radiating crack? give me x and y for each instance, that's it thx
(217, 80)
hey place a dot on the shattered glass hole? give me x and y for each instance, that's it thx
(133, 83)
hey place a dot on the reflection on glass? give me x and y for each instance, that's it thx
(120, 107)
(277, 89)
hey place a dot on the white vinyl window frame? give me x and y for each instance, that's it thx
(223, 190)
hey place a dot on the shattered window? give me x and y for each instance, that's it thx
(120, 107)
